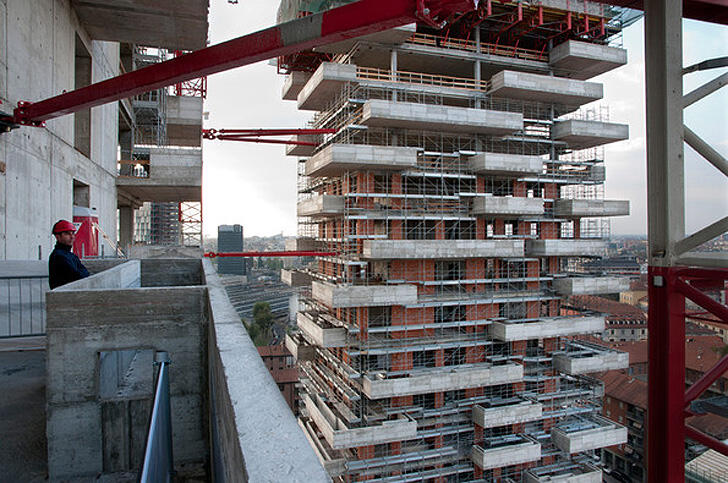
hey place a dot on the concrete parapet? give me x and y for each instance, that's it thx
(301, 149)
(588, 362)
(304, 243)
(342, 296)
(321, 205)
(583, 60)
(493, 417)
(601, 433)
(589, 208)
(500, 164)
(438, 379)
(295, 278)
(126, 275)
(393, 36)
(293, 84)
(441, 249)
(164, 251)
(324, 84)
(582, 134)
(566, 473)
(255, 434)
(590, 285)
(335, 159)
(184, 121)
(340, 436)
(506, 455)
(175, 174)
(544, 88)
(507, 331)
(431, 117)
(506, 206)
(300, 349)
(566, 248)
(321, 333)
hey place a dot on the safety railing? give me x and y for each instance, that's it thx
(369, 73)
(158, 463)
(22, 305)
(469, 45)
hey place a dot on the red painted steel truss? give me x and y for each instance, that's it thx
(298, 253)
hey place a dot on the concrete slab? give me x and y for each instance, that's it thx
(496, 416)
(580, 134)
(507, 331)
(582, 60)
(335, 159)
(499, 164)
(293, 84)
(430, 117)
(324, 85)
(506, 455)
(544, 88)
(343, 296)
(321, 333)
(590, 285)
(321, 206)
(184, 121)
(574, 440)
(590, 208)
(566, 248)
(174, 175)
(441, 249)
(502, 206)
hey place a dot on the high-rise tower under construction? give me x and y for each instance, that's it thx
(462, 194)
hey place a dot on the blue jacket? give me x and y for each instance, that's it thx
(64, 267)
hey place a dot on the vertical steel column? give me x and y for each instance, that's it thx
(666, 225)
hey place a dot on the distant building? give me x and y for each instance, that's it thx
(281, 366)
(623, 322)
(230, 239)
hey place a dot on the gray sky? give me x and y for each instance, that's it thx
(255, 184)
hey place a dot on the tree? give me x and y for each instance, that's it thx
(262, 315)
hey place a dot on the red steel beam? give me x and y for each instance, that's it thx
(244, 139)
(706, 440)
(298, 253)
(211, 133)
(348, 21)
(706, 380)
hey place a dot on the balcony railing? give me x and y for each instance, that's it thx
(471, 46)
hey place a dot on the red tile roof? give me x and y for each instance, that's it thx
(622, 387)
(273, 351)
(611, 307)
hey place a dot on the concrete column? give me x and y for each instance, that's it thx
(393, 69)
(126, 226)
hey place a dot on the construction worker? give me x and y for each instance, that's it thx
(63, 265)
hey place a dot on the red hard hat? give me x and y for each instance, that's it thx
(63, 225)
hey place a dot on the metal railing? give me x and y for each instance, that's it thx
(469, 45)
(22, 305)
(158, 463)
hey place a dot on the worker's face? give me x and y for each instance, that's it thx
(66, 238)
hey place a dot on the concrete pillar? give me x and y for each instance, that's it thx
(126, 226)
(393, 68)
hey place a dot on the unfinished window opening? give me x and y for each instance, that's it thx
(81, 194)
(82, 119)
(126, 374)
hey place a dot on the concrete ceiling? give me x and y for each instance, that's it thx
(171, 24)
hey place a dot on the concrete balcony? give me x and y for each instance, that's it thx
(342, 296)
(295, 278)
(172, 175)
(590, 208)
(324, 85)
(293, 84)
(340, 436)
(544, 88)
(321, 332)
(170, 24)
(184, 121)
(565, 248)
(586, 358)
(438, 379)
(335, 159)
(582, 60)
(580, 134)
(299, 347)
(301, 149)
(441, 249)
(430, 117)
(304, 243)
(394, 36)
(507, 331)
(506, 206)
(508, 453)
(498, 164)
(567, 472)
(584, 434)
(321, 206)
(493, 417)
(590, 285)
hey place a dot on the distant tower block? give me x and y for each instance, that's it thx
(230, 239)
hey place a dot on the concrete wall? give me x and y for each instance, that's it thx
(321, 336)
(340, 296)
(581, 473)
(566, 248)
(579, 208)
(505, 164)
(325, 84)
(337, 158)
(503, 456)
(321, 205)
(439, 379)
(572, 442)
(88, 435)
(416, 249)
(254, 434)
(503, 415)
(184, 121)
(557, 327)
(295, 278)
(543, 88)
(597, 362)
(590, 285)
(37, 52)
(507, 205)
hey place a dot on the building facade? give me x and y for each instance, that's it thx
(463, 196)
(230, 239)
